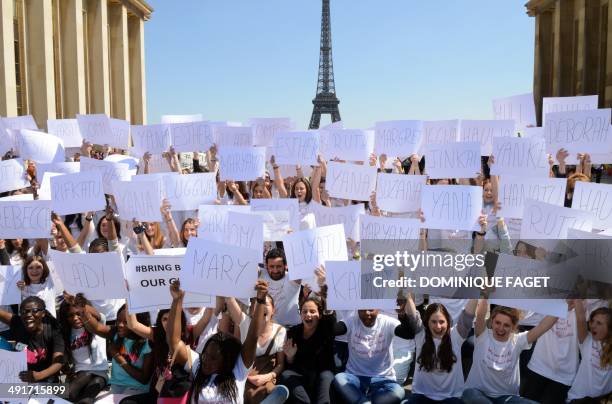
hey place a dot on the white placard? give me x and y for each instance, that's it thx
(276, 223)
(347, 144)
(521, 108)
(343, 279)
(155, 139)
(67, 130)
(597, 199)
(40, 147)
(140, 200)
(537, 131)
(347, 216)
(97, 129)
(11, 364)
(9, 292)
(8, 139)
(264, 129)
(158, 164)
(97, 276)
(568, 104)
(76, 193)
(120, 131)
(513, 191)
(244, 230)
(181, 118)
(296, 148)
(350, 181)
(484, 132)
(451, 207)
(20, 122)
(132, 162)
(44, 192)
(520, 157)
(389, 228)
(219, 269)
(12, 175)
(242, 163)
(214, 220)
(233, 136)
(440, 132)
(399, 193)
(288, 204)
(149, 278)
(453, 160)
(307, 249)
(579, 131)
(543, 221)
(25, 219)
(192, 136)
(69, 167)
(398, 138)
(110, 171)
(187, 192)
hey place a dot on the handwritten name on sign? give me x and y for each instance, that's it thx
(484, 132)
(40, 147)
(542, 221)
(440, 132)
(244, 230)
(597, 199)
(264, 129)
(307, 249)
(513, 191)
(9, 294)
(389, 228)
(568, 104)
(12, 175)
(154, 139)
(521, 108)
(149, 277)
(20, 122)
(233, 136)
(453, 160)
(97, 276)
(120, 130)
(192, 136)
(139, 200)
(347, 216)
(288, 204)
(96, 129)
(347, 144)
(214, 220)
(451, 207)
(11, 364)
(398, 138)
(399, 193)
(25, 219)
(296, 148)
(579, 131)
(219, 269)
(187, 192)
(350, 181)
(110, 171)
(242, 163)
(79, 192)
(67, 130)
(520, 156)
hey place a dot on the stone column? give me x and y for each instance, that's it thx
(8, 86)
(137, 71)
(72, 58)
(97, 46)
(119, 63)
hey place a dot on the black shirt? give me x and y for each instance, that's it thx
(40, 347)
(316, 353)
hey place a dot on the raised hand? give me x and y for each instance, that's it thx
(290, 349)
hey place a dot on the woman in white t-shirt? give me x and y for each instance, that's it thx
(594, 377)
(220, 372)
(495, 376)
(438, 373)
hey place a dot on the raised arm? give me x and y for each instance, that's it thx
(173, 328)
(316, 182)
(413, 318)
(6, 316)
(537, 331)
(466, 319)
(202, 323)
(61, 227)
(92, 324)
(581, 321)
(278, 179)
(141, 234)
(257, 325)
(173, 232)
(234, 310)
(481, 312)
(87, 226)
(139, 328)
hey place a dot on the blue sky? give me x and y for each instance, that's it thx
(393, 59)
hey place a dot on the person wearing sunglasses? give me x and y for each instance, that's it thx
(36, 331)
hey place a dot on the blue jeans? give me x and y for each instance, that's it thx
(475, 396)
(423, 399)
(362, 389)
(279, 395)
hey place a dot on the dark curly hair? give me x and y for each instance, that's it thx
(66, 328)
(429, 360)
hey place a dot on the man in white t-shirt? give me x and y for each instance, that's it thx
(285, 292)
(369, 372)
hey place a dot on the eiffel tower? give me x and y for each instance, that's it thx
(325, 102)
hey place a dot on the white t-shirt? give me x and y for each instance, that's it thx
(591, 379)
(286, 294)
(495, 369)
(82, 359)
(370, 348)
(439, 384)
(210, 330)
(192, 319)
(555, 356)
(279, 340)
(209, 393)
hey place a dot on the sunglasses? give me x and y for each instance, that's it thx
(25, 312)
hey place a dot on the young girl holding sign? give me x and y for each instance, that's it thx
(594, 377)
(37, 282)
(438, 375)
(495, 376)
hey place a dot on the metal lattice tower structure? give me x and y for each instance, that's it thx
(325, 101)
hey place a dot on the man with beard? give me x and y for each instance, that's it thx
(285, 292)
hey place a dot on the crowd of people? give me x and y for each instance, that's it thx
(284, 345)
